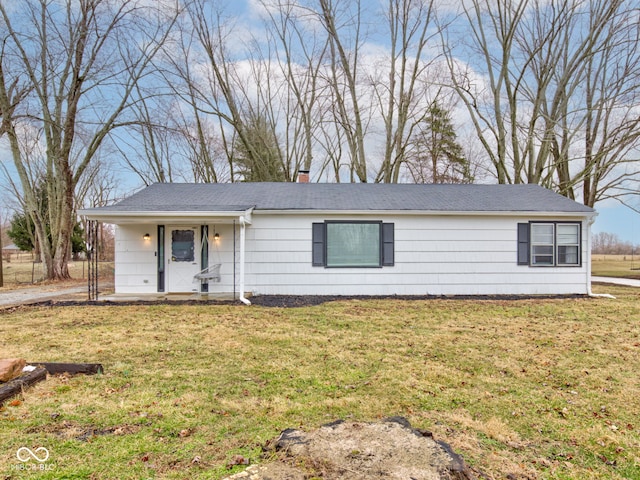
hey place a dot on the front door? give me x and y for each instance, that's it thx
(183, 261)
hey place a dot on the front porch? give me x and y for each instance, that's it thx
(168, 297)
(180, 255)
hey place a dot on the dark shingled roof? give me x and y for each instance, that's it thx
(230, 197)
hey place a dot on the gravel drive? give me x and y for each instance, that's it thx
(22, 296)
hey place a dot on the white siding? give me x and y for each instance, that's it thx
(436, 255)
(135, 259)
(136, 263)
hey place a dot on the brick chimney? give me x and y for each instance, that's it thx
(303, 176)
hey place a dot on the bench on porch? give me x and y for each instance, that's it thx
(209, 274)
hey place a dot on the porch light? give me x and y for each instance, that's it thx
(216, 237)
(146, 236)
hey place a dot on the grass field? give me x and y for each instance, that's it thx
(21, 271)
(529, 388)
(627, 266)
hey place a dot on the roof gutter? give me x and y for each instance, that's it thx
(514, 213)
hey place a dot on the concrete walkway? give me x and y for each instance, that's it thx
(628, 282)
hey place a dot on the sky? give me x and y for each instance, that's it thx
(618, 219)
(612, 216)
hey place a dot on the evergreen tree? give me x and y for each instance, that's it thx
(438, 157)
(257, 153)
(23, 230)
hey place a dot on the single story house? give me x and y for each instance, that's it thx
(350, 239)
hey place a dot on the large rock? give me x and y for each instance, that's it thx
(390, 450)
(11, 368)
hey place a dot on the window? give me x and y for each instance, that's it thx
(542, 244)
(182, 245)
(352, 244)
(549, 244)
(567, 244)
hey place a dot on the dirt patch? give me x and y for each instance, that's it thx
(390, 450)
(73, 431)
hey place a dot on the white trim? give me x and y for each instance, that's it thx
(431, 213)
(174, 217)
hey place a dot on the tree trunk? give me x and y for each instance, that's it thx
(1, 257)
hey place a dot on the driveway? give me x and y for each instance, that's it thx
(629, 282)
(22, 296)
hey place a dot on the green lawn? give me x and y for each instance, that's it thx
(626, 266)
(532, 388)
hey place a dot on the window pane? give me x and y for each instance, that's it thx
(182, 246)
(568, 255)
(353, 244)
(567, 234)
(542, 244)
(542, 233)
(542, 255)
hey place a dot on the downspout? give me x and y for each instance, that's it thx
(242, 240)
(589, 292)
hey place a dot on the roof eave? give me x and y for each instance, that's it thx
(510, 213)
(156, 217)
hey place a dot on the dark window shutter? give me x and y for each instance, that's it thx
(523, 244)
(317, 249)
(387, 245)
(160, 254)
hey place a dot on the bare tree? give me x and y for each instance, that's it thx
(147, 147)
(611, 96)
(557, 107)
(399, 95)
(206, 82)
(343, 77)
(491, 29)
(216, 94)
(202, 131)
(306, 76)
(298, 53)
(80, 61)
(99, 189)
(611, 244)
(1, 252)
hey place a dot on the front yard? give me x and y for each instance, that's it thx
(527, 388)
